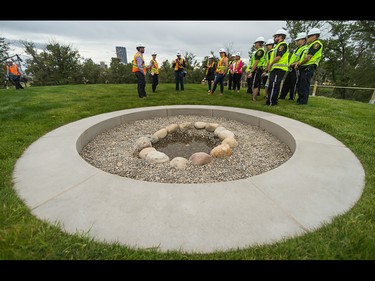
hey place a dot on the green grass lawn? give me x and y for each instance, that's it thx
(26, 115)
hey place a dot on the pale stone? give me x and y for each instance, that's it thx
(211, 126)
(143, 153)
(218, 130)
(179, 163)
(200, 158)
(186, 126)
(172, 128)
(157, 157)
(232, 142)
(153, 138)
(221, 151)
(200, 125)
(162, 133)
(142, 143)
(223, 134)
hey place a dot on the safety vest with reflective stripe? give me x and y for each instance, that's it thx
(283, 61)
(297, 54)
(220, 67)
(261, 62)
(315, 59)
(178, 65)
(135, 64)
(155, 68)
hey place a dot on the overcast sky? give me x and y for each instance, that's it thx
(97, 39)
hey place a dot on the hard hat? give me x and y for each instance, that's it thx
(238, 54)
(154, 53)
(222, 50)
(313, 31)
(233, 55)
(280, 31)
(259, 39)
(301, 35)
(140, 45)
(210, 56)
(178, 53)
(270, 42)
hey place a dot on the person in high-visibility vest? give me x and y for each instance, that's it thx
(14, 74)
(178, 64)
(154, 71)
(210, 72)
(267, 58)
(291, 80)
(277, 67)
(221, 70)
(257, 67)
(236, 69)
(309, 62)
(140, 70)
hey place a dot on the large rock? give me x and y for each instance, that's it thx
(172, 128)
(211, 126)
(218, 130)
(221, 151)
(156, 157)
(230, 141)
(142, 143)
(143, 153)
(200, 125)
(200, 158)
(179, 163)
(223, 134)
(162, 133)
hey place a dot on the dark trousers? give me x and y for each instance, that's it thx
(141, 84)
(250, 84)
(179, 77)
(306, 73)
(290, 85)
(237, 81)
(219, 78)
(276, 76)
(155, 82)
(15, 80)
(230, 81)
(209, 79)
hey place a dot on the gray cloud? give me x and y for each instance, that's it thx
(97, 39)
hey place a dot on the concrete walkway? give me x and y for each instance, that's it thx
(321, 180)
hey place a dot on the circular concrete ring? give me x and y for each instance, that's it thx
(321, 180)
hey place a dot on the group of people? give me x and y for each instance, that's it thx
(270, 64)
(140, 69)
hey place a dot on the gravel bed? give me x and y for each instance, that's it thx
(258, 152)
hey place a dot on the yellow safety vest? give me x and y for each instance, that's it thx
(283, 61)
(220, 67)
(155, 68)
(135, 64)
(315, 59)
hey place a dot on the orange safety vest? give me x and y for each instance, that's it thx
(179, 64)
(13, 69)
(135, 64)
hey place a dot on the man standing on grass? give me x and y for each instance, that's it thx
(140, 70)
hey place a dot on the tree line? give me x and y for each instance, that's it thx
(347, 60)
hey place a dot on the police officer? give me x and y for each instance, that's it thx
(277, 67)
(140, 70)
(257, 66)
(309, 62)
(291, 80)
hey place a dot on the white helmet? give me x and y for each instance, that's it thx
(313, 31)
(238, 54)
(178, 53)
(222, 50)
(280, 31)
(270, 42)
(259, 39)
(210, 56)
(140, 45)
(301, 35)
(154, 53)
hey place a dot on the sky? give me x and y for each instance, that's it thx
(97, 39)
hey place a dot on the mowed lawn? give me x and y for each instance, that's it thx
(26, 115)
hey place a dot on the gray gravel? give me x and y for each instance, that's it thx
(113, 151)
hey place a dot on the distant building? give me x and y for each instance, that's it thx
(121, 54)
(103, 65)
